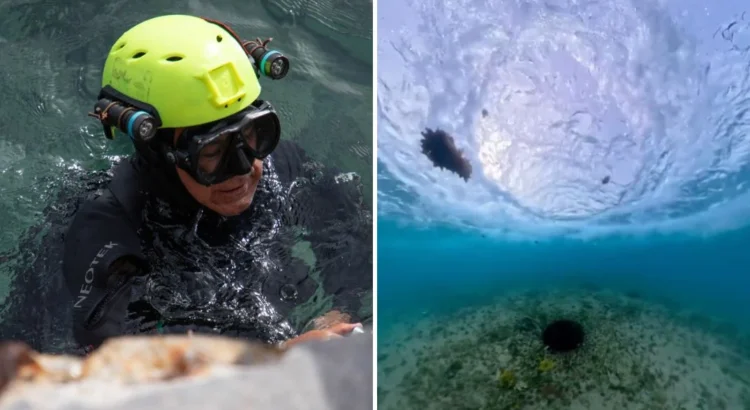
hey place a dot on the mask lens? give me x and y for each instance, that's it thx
(213, 153)
(250, 136)
(216, 152)
(262, 135)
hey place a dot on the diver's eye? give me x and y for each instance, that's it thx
(250, 136)
(211, 151)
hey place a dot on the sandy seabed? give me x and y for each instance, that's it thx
(635, 355)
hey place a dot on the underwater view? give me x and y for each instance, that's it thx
(54, 156)
(563, 217)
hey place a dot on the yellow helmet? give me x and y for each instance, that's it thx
(190, 70)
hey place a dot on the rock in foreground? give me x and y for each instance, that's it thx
(190, 372)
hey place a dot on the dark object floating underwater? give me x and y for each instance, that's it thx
(605, 180)
(563, 336)
(485, 113)
(440, 148)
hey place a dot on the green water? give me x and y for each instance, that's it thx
(50, 70)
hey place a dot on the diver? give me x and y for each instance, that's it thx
(197, 229)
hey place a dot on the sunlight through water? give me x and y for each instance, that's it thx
(579, 117)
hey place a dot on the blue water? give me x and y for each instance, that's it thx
(442, 269)
(654, 95)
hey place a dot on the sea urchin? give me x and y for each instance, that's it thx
(563, 336)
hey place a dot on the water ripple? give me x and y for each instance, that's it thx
(577, 93)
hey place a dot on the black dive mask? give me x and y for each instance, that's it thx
(218, 151)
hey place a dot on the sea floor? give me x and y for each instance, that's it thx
(636, 355)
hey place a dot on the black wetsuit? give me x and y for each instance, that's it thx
(143, 256)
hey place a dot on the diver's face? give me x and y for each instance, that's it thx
(229, 198)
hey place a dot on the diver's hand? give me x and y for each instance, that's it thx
(335, 331)
(331, 319)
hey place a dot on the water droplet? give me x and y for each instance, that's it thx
(288, 292)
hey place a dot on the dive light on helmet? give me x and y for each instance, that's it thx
(137, 124)
(270, 63)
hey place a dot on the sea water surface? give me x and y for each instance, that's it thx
(611, 163)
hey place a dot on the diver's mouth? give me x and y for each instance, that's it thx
(234, 190)
(233, 194)
(243, 182)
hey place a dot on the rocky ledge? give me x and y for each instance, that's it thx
(190, 372)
